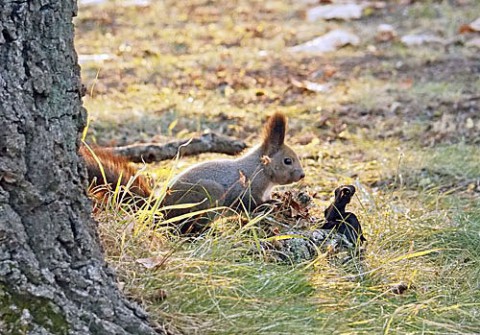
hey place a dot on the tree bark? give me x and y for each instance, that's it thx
(53, 279)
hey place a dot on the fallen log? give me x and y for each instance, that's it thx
(154, 152)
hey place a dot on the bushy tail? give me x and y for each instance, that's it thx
(105, 169)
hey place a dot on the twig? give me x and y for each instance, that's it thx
(154, 152)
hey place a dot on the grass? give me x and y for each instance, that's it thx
(220, 284)
(182, 67)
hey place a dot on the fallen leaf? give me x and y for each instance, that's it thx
(9, 178)
(329, 71)
(331, 41)
(412, 40)
(152, 262)
(469, 124)
(376, 4)
(473, 43)
(158, 295)
(306, 138)
(471, 27)
(335, 12)
(121, 285)
(406, 84)
(465, 29)
(399, 288)
(385, 33)
(310, 86)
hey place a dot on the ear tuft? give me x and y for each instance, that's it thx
(274, 132)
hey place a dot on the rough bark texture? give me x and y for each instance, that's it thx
(152, 152)
(53, 279)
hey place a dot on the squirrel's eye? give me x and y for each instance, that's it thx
(288, 161)
(346, 192)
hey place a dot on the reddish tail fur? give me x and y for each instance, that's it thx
(114, 167)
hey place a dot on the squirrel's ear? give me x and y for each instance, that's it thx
(274, 133)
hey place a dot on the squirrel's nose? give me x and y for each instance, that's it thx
(302, 175)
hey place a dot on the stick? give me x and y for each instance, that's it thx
(153, 152)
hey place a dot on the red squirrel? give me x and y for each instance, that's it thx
(241, 183)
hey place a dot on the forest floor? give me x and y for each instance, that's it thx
(399, 122)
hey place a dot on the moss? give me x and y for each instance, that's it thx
(43, 313)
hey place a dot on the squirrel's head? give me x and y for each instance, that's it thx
(281, 163)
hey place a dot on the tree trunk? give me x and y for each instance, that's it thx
(53, 279)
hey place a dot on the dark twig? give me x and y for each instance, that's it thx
(154, 152)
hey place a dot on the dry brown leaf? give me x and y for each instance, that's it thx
(385, 33)
(465, 29)
(310, 86)
(399, 288)
(406, 84)
(158, 295)
(306, 138)
(152, 262)
(472, 27)
(329, 71)
(289, 210)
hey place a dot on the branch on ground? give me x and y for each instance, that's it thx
(153, 152)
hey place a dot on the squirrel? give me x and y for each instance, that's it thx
(242, 183)
(346, 223)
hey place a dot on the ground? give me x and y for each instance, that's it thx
(399, 122)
